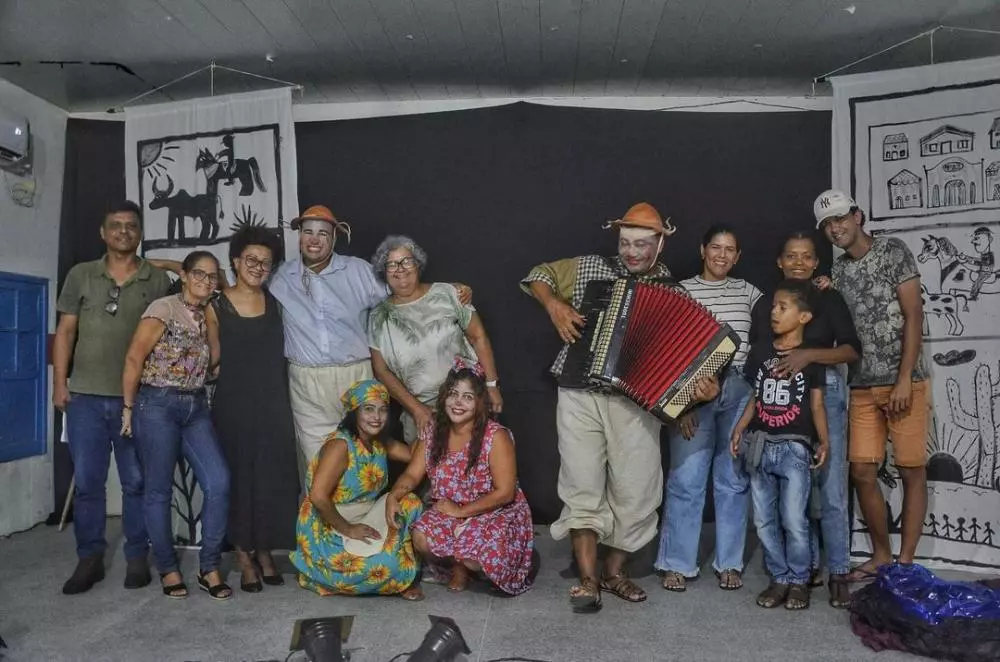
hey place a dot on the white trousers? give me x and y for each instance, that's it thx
(610, 478)
(316, 408)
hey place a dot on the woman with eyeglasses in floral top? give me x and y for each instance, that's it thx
(166, 407)
(414, 334)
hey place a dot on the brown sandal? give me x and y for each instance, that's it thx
(730, 580)
(674, 581)
(798, 597)
(623, 587)
(585, 597)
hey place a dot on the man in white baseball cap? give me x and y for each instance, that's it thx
(890, 389)
(833, 204)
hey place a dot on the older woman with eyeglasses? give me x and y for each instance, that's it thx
(252, 413)
(171, 353)
(415, 334)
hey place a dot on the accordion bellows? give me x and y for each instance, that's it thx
(651, 342)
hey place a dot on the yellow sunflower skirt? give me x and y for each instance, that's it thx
(324, 566)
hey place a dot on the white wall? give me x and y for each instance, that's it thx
(29, 244)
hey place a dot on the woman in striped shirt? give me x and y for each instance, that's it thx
(700, 439)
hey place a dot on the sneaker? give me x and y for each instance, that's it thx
(137, 573)
(88, 572)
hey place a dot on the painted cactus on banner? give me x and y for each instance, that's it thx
(926, 168)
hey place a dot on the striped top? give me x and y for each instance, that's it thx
(731, 301)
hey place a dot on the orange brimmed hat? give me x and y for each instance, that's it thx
(321, 213)
(643, 215)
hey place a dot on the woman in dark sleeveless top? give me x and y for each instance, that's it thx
(252, 414)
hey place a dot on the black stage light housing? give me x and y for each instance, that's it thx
(322, 639)
(442, 643)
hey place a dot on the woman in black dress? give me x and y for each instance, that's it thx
(251, 411)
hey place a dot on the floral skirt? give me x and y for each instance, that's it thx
(501, 541)
(327, 569)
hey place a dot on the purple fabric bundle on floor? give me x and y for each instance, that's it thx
(908, 608)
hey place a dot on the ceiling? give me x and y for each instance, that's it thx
(378, 50)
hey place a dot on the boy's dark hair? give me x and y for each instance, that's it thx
(802, 292)
(719, 228)
(124, 207)
(256, 235)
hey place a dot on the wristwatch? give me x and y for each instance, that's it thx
(492, 383)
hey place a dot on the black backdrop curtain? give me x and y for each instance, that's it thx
(93, 181)
(491, 192)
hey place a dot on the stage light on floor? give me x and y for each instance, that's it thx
(322, 639)
(442, 643)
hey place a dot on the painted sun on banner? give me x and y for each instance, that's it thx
(199, 188)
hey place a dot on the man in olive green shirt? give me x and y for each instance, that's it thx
(100, 306)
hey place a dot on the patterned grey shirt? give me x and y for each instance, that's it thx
(869, 288)
(568, 280)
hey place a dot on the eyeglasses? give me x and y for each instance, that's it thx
(253, 263)
(404, 264)
(111, 307)
(200, 276)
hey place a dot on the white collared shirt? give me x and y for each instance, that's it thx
(326, 325)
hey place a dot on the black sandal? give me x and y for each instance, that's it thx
(270, 580)
(173, 590)
(217, 592)
(251, 587)
(587, 599)
(773, 595)
(798, 597)
(273, 580)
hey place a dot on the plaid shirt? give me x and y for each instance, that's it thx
(568, 280)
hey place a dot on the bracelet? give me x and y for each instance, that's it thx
(129, 407)
(491, 384)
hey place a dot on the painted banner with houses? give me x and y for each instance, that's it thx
(924, 165)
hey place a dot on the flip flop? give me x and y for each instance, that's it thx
(861, 574)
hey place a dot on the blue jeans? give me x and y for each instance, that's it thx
(832, 479)
(684, 496)
(93, 425)
(168, 424)
(780, 489)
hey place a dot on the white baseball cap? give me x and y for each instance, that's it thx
(832, 203)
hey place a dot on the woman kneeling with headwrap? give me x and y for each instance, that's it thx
(345, 544)
(480, 521)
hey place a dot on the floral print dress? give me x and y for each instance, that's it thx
(324, 566)
(501, 540)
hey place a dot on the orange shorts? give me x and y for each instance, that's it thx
(871, 426)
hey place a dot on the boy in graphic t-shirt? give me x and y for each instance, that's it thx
(786, 414)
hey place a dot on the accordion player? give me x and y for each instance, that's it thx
(649, 341)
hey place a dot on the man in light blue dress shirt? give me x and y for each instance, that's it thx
(325, 299)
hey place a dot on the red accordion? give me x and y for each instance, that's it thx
(649, 341)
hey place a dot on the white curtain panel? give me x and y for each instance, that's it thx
(199, 169)
(202, 167)
(920, 151)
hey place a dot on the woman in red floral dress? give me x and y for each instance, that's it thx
(480, 520)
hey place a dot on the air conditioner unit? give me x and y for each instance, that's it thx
(15, 141)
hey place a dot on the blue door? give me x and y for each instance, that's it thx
(24, 406)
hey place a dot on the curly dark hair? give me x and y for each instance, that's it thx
(256, 235)
(442, 424)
